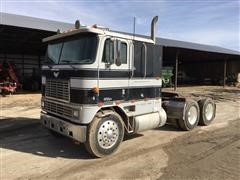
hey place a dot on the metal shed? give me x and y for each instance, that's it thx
(21, 43)
(205, 63)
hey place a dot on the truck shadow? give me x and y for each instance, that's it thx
(169, 127)
(29, 136)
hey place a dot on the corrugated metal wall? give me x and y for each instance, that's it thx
(25, 65)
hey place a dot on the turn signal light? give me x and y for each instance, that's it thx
(95, 90)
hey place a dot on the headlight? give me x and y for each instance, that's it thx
(43, 80)
(75, 113)
(42, 104)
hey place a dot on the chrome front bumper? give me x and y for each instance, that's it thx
(76, 132)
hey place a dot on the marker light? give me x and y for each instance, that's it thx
(95, 90)
(75, 113)
(94, 26)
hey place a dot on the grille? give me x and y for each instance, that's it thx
(57, 89)
(58, 109)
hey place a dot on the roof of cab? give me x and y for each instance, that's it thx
(100, 31)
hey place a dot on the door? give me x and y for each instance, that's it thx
(114, 70)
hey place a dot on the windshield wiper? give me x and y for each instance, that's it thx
(74, 61)
(49, 62)
(68, 61)
(48, 65)
(85, 60)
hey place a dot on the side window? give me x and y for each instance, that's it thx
(108, 52)
(140, 53)
(123, 53)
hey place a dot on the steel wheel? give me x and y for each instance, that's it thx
(192, 115)
(207, 111)
(108, 134)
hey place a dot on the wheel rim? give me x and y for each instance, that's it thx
(108, 134)
(209, 111)
(192, 115)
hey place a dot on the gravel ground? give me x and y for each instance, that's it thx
(28, 151)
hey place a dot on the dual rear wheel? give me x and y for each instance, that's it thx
(106, 131)
(207, 111)
(202, 112)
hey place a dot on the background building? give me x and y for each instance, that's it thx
(21, 44)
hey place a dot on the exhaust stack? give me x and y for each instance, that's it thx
(153, 28)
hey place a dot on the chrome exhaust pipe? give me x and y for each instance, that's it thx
(153, 28)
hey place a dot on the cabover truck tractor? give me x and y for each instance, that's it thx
(99, 85)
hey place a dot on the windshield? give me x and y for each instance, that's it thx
(81, 50)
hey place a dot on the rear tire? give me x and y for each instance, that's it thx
(190, 117)
(105, 134)
(207, 111)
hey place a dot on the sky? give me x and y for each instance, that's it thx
(213, 22)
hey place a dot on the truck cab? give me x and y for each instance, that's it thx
(98, 85)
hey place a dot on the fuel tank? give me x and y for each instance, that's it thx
(150, 121)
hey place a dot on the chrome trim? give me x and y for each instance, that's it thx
(57, 89)
(108, 134)
(64, 105)
(59, 109)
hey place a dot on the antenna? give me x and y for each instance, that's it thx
(134, 26)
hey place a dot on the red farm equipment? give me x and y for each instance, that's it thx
(8, 79)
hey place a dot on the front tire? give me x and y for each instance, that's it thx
(191, 116)
(105, 134)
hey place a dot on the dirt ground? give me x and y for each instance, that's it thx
(28, 151)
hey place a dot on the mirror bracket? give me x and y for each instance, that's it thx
(118, 50)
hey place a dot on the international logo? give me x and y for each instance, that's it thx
(56, 73)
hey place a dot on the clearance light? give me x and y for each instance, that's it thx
(95, 90)
(70, 30)
(94, 26)
(100, 104)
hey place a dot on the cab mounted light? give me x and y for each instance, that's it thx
(77, 24)
(94, 26)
